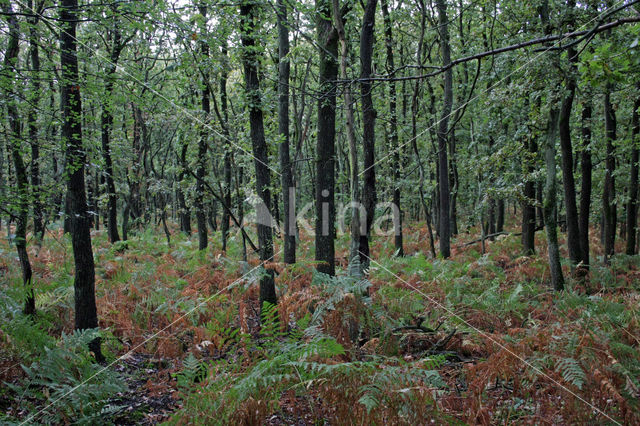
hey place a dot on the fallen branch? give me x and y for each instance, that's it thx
(496, 234)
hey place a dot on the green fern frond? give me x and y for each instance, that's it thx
(571, 372)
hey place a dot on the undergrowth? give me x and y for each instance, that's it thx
(478, 338)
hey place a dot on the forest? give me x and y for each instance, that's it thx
(292, 212)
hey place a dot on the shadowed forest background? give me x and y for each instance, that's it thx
(329, 212)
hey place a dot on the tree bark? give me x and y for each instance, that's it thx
(550, 202)
(585, 184)
(632, 205)
(226, 214)
(86, 315)
(325, 147)
(201, 215)
(393, 125)
(288, 191)
(609, 189)
(443, 130)
(566, 150)
(368, 128)
(22, 182)
(185, 213)
(250, 60)
(106, 118)
(34, 97)
(355, 224)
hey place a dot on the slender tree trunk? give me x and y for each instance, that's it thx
(288, 191)
(355, 225)
(585, 185)
(500, 215)
(201, 215)
(325, 148)
(34, 54)
(632, 205)
(540, 203)
(106, 119)
(566, 150)
(22, 183)
(185, 213)
(443, 129)
(250, 59)
(609, 189)
(368, 128)
(227, 150)
(86, 315)
(393, 124)
(550, 202)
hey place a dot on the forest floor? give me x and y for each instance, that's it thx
(478, 338)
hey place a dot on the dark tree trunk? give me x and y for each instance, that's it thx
(393, 124)
(540, 203)
(227, 151)
(185, 213)
(250, 59)
(609, 189)
(288, 191)
(500, 215)
(368, 128)
(491, 219)
(355, 225)
(585, 185)
(106, 119)
(325, 147)
(550, 202)
(34, 97)
(566, 150)
(632, 205)
(201, 215)
(453, 179)
(443, 129)
(86, 315)
(22, 183)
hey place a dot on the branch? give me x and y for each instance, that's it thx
(504, 49)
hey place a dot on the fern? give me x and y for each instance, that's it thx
(69, 383)
(193, 371)
(571, 372)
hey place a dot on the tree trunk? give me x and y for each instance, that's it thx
(34, 97)
(566, 150)
(609, 189)
(201, 215)
(632, 205)
(185, 213)
(500, 215)
(227, 150)
(443, 129)
(86, 315)
(250, 59)
(325, 147)
(393, 125)
(368, 128)
(585, 184)
(22, 183)
(355, 224)
(106, 119)
(550, 202)
(288, 191)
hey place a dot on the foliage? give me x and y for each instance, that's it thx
(66, 384)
